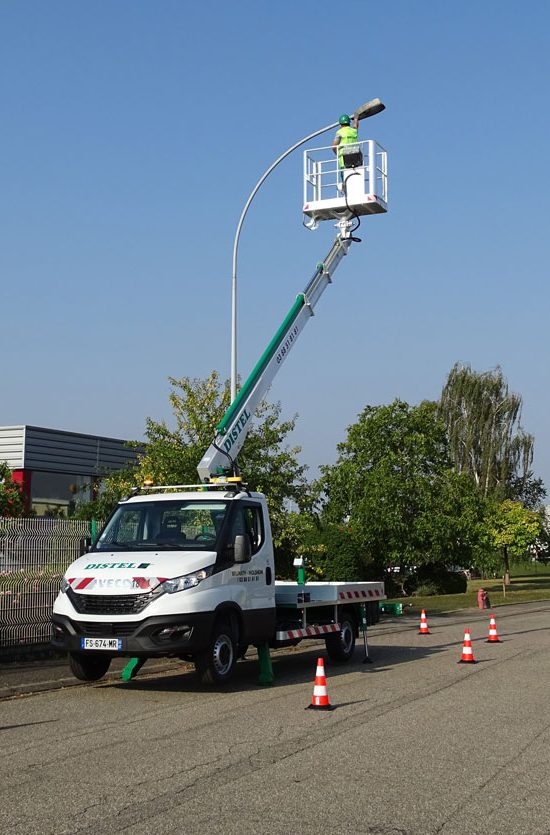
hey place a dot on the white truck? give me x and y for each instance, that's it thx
(188, 571)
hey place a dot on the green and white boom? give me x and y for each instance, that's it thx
(331, 192)
(220, 458)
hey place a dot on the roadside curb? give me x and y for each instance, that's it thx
(27, 688)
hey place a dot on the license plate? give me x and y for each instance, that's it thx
(101, 643)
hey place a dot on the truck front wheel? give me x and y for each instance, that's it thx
(341, 645)
(217, 663)
(89, 666)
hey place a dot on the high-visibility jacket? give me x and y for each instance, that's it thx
(347, 135)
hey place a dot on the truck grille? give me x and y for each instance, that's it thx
(99, 604)
(106, 630)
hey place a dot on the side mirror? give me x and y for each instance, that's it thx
(243, 551)
(84, 546)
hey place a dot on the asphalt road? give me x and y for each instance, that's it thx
(417, 743)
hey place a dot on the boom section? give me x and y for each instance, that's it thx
(234, 426)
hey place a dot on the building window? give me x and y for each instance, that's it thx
(56, 493)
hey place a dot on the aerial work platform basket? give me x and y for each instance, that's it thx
(359, 187)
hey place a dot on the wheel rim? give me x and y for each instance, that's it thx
(346, 636)
(222, 655)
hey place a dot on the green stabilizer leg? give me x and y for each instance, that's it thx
(132, 668)
(266, 676)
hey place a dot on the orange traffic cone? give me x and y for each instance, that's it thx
(493, 634)
(423, 624)
(320, 696)
(467, 651)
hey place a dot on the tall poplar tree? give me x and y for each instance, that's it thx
(486, 439)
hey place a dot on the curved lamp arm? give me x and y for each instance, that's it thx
(370, 108)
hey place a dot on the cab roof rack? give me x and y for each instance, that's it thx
(232, 485)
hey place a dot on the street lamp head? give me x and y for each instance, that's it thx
(370, 108)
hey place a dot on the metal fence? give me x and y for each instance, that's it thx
(34, 555)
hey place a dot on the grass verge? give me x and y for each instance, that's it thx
(532, 584)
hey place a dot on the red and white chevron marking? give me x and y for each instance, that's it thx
(358, 595)
(80, 582)
(144, 583)
(308, 632)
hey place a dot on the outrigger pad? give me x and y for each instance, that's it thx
(132, 668)
(266, 676)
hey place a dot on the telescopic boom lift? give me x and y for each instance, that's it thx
(188, 571)
(330, 192)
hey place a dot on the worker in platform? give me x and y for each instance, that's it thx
(345, 135)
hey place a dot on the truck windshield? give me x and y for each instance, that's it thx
(168, 525)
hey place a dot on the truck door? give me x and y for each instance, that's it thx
(255, 579)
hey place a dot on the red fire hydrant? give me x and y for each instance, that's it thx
(483, 601)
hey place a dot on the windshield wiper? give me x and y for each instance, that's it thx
(141, 546)
(165, 546)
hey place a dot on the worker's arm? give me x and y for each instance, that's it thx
(355, 122)
(336, 143)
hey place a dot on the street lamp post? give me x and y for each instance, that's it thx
(370, 108)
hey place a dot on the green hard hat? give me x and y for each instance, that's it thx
(344, 119)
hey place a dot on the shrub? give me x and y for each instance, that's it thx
(426, 589)
(452, 582)
(440, 578)
(437, 579)
(12, 500)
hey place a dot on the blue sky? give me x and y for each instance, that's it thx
(132, 135)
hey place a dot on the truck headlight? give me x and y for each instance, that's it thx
(187, 581)
(65, 586)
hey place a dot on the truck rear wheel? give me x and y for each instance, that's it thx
(217, 664)
(341, 645)
(89, 666)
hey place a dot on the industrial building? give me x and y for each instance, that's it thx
(54, 467)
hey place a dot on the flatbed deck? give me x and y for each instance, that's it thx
(308, 595)
(329, 597)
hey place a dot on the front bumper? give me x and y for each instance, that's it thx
(152, 637)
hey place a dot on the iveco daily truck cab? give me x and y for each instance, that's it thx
(172, 573)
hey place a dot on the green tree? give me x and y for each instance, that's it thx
(331, 550)
(12, 500)
(486, 439)
(334, 552)
(394, 489)
(512, 529)
(171, 456)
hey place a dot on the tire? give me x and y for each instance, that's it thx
(341, 645)
(216, 664)
(89, 666)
